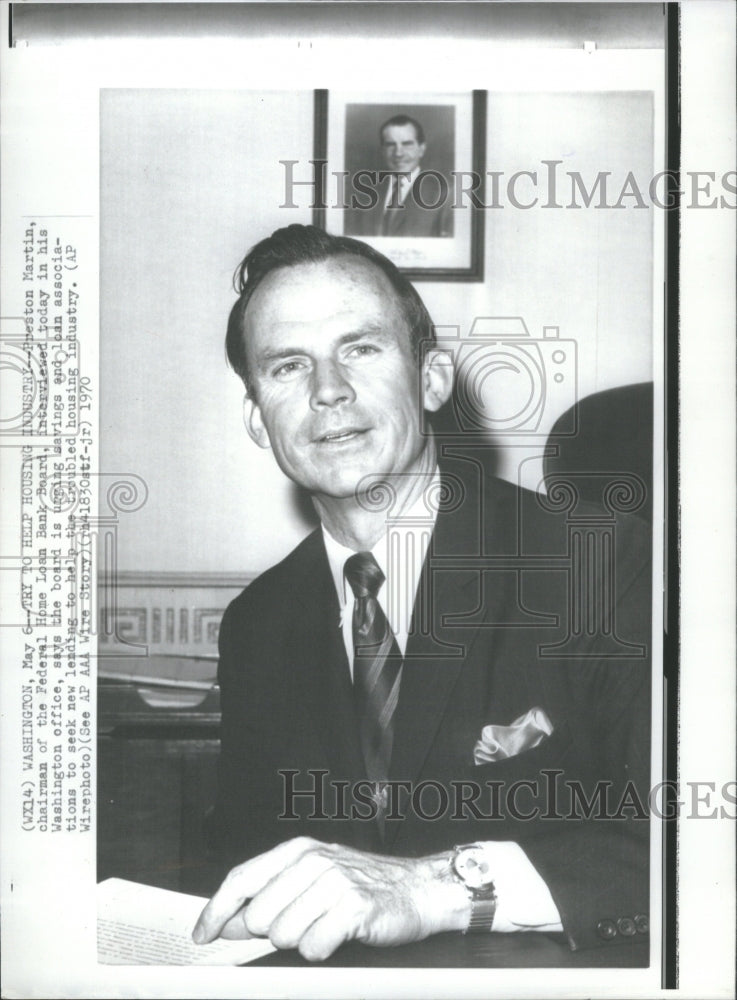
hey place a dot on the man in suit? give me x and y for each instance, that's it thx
(411, 202)
(426, 725)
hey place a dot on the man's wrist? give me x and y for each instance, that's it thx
(524, 900)
(443, 901)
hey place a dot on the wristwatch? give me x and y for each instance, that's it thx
(470, 866)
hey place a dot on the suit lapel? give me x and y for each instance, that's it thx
(454, 590)
(325, 684)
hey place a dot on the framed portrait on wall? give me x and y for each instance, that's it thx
(405, 172)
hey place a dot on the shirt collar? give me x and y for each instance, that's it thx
(417, 516)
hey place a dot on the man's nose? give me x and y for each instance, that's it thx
(330, 386)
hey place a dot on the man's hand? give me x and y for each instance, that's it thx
(313, 896)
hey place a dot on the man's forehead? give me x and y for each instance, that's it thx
(313, 288)
(407, 131)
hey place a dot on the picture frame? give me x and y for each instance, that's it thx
(433, 227)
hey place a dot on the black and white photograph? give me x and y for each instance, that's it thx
(434, 664)
(349, 614)
(405, 173)
(414, 154)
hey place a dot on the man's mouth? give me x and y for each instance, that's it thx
(347, 434)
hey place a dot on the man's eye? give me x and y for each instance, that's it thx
(363, 350)
(288, 368)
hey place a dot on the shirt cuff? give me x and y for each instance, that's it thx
(524, 902)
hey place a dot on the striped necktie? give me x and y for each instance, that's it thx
(377, 665)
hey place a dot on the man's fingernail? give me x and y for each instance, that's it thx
(198, 935)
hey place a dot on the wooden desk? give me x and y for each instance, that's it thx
(156, 780)
(493, 951)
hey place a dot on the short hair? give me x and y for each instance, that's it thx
(297, 244)
(403, 120)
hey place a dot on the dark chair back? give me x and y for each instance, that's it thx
(613, 438)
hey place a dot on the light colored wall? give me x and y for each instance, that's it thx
(586, 271)
(190, 180)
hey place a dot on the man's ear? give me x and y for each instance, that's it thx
(254, 423)
(437, 379)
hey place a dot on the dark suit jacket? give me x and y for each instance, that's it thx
(412, 219)
(498, 582)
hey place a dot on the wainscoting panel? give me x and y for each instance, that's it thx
(173, 614)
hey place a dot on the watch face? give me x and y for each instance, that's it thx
(472, 865)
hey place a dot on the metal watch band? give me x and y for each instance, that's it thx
(482, 915)
(482, 897)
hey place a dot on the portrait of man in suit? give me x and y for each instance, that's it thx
(435, 710)
(411, 201)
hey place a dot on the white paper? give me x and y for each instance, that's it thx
(142, 925)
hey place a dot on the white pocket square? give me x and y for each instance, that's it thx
(500, 742)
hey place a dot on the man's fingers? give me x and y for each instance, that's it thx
(242, 883)
(227, 902)
(289, 925)
(236, 929)
(337, 925)
(284, 889)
